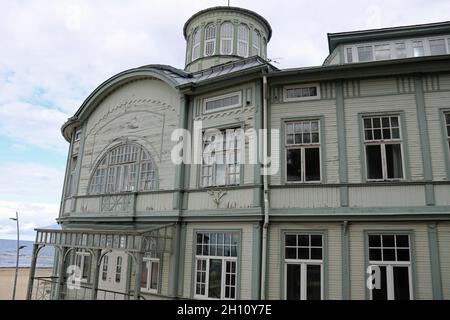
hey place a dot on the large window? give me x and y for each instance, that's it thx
(226, 38)
(304, 266)
(447, 126)
(438, 47)
(150, 274)
(105, 267)
(216, 265)
(210, 39)
(365, 53)
(256, 43)
(390, 261)
(383, 148)
(196, 45)
(223, 102)
(222, 157)
(125, 168)
(301, 92)
(243, 37)
(303, 151)
(83, 262)
(118, 275)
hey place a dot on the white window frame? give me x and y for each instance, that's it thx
(212, 40)
(149, 262)
(243, 43)
(301, 86)
(303, 266)
(78, 135)
(82, 256)
(228, 38)
(446, 43)
(256, 45)
(302, 147)
(223, 96)
(105, 267)
(118, 272)
(383, 143)
(390, 268)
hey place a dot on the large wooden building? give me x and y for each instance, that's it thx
(360, 172)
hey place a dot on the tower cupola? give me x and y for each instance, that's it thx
(222, 34)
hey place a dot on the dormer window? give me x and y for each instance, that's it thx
(243, 36)
(400, 48)
(210, 39)
(437, 47)
(365, 53)
(383, 52)
(418, 49)
(226, 38)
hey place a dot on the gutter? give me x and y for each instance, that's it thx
(266, 194)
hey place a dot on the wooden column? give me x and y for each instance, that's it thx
(97, 259)
(137, 281)
(61, 272)
(32, 271)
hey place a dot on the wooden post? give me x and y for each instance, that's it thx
(32, 271)
(137, 283)
(61, 272)
(97, 256)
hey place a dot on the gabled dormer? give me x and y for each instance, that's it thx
(389, 43)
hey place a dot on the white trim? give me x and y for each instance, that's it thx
(212, 40)
(149, 262)
(228, 95)
(228, 38)
(78, 135)
(301, 86)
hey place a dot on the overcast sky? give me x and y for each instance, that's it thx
(53, 53)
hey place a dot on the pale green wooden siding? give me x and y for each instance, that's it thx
(306, 109)
(444, 257)
(444, 81)
(380, 104)
(378, 86)
(387, 196)
(442, 195)
(244, 260)
(275, 285)
(434, 102)
(135, 104)
(304, 197)
(421, 256)
(233, 199)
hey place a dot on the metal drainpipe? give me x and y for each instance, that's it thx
(266, 197)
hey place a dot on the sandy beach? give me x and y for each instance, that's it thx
(7, 281)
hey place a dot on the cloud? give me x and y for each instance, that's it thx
(31, 216)
(30, 182)
(32, 125)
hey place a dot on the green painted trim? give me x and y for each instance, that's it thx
(76, 180)
(362, 210)
(180, 169)
(256, 262)
(181, 265)
(258, 124)
(345, 248)
(66, 176)
(424, 138)
(445, 145)
(341, 55)
(433, 242)
(342, 143)
(325, 252)
(412, 246)
(405, 143)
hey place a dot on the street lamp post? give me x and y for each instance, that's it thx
(19, 247)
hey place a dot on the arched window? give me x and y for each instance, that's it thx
(243, 35)
(210, 39)
(226, 38)
(127, 167)
(196, 44)
(256, 46)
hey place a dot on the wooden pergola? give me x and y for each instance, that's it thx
(99, 243)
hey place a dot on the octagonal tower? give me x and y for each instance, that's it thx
(223, 34)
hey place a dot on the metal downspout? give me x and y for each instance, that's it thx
(266, 195)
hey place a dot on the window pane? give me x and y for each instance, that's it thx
(154, 276)
(418, 50)
(316, 240)
(303, 253)
(402, 241)
(401, 283)
(365, 54)
(215, 278)
(388, 241)
(291, 240)
(394, 161)
(401, 50)
(383, 52)
(375, 254)
(303, 240)
(144, 275)
(437, 47)
(403, 255)
(312, 164)
(293, 282)
(316, 253)
(374, 241)
(374, 165)
(86, 266)
(381, 293)
(293, 165)
(349, 55)
(291, 253)
(313, 290)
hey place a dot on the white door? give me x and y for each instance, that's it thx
(112, 276)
